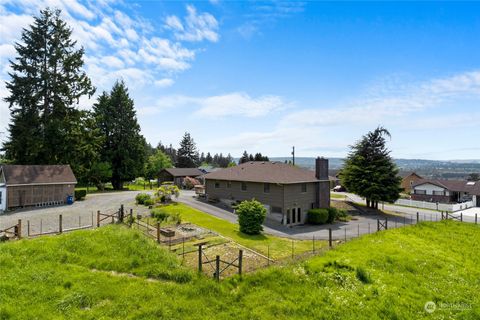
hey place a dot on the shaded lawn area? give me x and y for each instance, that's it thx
(278, 247)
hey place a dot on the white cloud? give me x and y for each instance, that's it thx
(196, 27)
(388, 107)
(230, 104)
(239, 104)
(164, 83)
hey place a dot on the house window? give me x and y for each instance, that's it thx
(244, 186)
(217, 184)
(266, 187)
(229, 184)
(304, 187)
(438, 193)
(416, 191)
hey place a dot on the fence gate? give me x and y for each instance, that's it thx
(203, 259)
(450, 216)
(382, 225)
(13, 231)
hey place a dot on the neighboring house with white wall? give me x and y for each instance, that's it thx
(446, 191)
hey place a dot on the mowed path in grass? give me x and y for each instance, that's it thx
(276, 247)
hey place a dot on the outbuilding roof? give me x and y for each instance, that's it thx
(265, 172)
(184, 172)
(38, 174)
(472, 187)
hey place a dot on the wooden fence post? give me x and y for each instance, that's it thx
(60, 222)
(98, 218)
(217, 268)
(268, 255)
(386, 224)
(158, 232)
(200, 263)
(240, 261)
(418, 216)
(313, 243)
(19, 229)
(461, 216)
(293, 249)
(378, 225)
(475, 218)
(330, 237)
(358, 229)
(28, 228)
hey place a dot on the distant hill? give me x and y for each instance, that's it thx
(451, 169)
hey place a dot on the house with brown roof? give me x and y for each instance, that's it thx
(408, 180)
(287, 191)
(35, 185)
(446, 191)
(178, 175)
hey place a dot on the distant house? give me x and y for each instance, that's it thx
(408, 180)
(35, 185)
(446, 191)
(177, 175)
(287, 191)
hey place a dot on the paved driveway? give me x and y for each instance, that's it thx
(360, 224)
(79, 213)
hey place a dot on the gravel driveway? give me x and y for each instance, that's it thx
(81, 213)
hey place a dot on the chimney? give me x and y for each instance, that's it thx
(323, 186)
(321, 168)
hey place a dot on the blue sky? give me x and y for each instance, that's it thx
(264, 76)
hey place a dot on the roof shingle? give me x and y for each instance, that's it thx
(265, 172)
(38, 174)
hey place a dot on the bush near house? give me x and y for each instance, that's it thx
(317, 216)
(142, 197)
(329, 215)
(80, 194)
(251, 215)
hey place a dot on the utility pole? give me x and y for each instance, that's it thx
(293, 154)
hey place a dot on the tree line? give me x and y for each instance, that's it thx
(50, 126)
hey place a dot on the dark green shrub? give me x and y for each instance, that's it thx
(317, 216)
(142, 197)
(332, 214)
(251, 215)
(149, 202)
(80, 194)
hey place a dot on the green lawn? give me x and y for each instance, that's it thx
(116, 273)
(278, 247)
(337, 196)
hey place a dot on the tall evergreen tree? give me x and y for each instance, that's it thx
(187, 154)
(124, 147)
(370, 172)
(208, 158)
(46, 83)
(244, 158)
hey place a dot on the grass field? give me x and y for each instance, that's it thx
(115, 273)
(277, 247)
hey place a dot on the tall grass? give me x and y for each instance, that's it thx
(387, 275)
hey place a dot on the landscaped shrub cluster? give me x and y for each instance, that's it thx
(329, 215)
(141, 198)
(251, 215)
(163, 216)
(80, 194)
(317, 216)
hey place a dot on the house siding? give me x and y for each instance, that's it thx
(254, 191)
